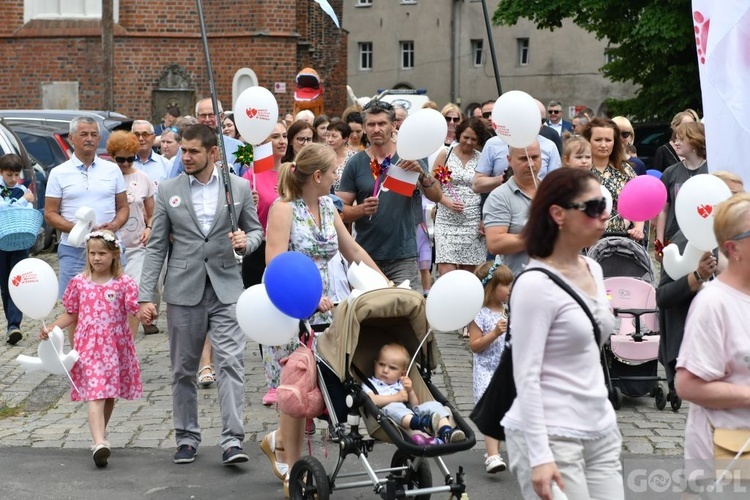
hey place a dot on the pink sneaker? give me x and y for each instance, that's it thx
(270, 398)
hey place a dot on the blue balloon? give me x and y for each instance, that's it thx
(293, 284)
(655, 173)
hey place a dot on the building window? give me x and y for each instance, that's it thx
(477, 52)
(363, 3)
(407, 55)
(365, 55)
(65, 9)
(523, 51)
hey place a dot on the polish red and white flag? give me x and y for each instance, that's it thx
(401, 181)
(263, 157)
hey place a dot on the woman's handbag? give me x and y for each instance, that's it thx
(501, 391)
(731, 451)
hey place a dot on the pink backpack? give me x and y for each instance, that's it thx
(298, 393)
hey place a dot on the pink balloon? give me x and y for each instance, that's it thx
(642, 198)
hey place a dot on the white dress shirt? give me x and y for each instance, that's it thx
(205, 199)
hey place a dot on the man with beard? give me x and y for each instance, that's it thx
(202, 286)
(385, 223)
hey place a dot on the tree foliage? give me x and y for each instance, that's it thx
(651, 41)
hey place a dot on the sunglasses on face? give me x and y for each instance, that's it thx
(453, 119)
(303, 140)
(741, 236)
(375, 104)
(625, 134)
(487, 114)
(125, 159)
(553, 111)
(592, 208)
(145, 135)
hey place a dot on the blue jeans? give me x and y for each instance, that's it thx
(72, 261)
(8, 260)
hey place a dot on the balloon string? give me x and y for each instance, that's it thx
(61, 363)
(531, 167)
(419, 348)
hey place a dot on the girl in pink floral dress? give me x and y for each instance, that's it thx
(99, 301)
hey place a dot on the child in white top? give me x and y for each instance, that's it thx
(487, 339)
(396, 396)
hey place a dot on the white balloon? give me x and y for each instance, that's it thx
(51, 358)
(677, 265)
(262, 321)
(695, 208)
(255, 114)
(422, 133)
(33, 287)
(454, 300)
(516, 118)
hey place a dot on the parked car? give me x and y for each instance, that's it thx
(47, 143)
(648, 137)
(109, 121)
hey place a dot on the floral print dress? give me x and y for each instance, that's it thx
(321, 244)
(108, 365)
(614, 180)
(486, 362)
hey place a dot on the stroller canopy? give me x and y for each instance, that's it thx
(621, 256)
(364, 324)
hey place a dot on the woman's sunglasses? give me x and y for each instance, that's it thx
(453, 119)
(593, 208)
(125, 159)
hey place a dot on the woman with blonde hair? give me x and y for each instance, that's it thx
(628, 138)
(453, 117)
(305, 220)
(712, 367)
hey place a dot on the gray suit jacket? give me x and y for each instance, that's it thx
(196, 255)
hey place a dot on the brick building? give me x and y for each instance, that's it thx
(52, 55)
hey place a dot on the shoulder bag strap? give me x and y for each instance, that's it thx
(554, 277)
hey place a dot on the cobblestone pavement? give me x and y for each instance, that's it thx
(37, 411)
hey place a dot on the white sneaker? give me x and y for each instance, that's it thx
(494, 464)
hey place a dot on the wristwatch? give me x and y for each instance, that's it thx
(697, 276)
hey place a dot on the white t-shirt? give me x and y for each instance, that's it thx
(77, 186)
(556, 363)
(716, 346)
(383, 388)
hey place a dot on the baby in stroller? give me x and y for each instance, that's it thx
(392, 391)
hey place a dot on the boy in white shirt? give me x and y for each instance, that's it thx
(400, 403)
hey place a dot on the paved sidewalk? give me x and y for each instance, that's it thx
(46, 418)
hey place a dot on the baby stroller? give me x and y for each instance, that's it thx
(348, 350)
(630, 357)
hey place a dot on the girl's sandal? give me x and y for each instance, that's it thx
(206, 376)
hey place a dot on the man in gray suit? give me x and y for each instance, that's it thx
(202, 286)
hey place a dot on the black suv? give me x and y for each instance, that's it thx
(648, 137)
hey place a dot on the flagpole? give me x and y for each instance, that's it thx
(493, 56)
(215, 103)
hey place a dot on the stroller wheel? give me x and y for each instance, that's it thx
(615, 397)
(413, 479)
(659, 398)
(308, 480)
(674, 400)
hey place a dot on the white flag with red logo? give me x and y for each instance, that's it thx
(263, 157)
(401, 181)
(722, 37)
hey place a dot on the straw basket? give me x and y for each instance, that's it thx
(19, 228)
